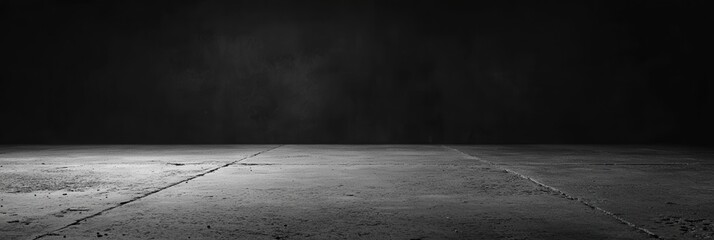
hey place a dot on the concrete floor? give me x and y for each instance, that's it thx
(356, 192)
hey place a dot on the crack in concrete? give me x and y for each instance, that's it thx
(78, 221)
(561, 193)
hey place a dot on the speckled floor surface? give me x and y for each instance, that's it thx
(356, 192)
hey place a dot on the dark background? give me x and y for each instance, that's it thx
(363, 71)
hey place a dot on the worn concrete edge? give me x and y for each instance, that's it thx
(78, 221)
(561, 193)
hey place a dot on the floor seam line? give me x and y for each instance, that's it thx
(78, 221)
(560, 192)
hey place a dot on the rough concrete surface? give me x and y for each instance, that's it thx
(355, 192)
(667, 190)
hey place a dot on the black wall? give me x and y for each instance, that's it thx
(357, 72)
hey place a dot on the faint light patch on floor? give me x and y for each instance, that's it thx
(46, 181)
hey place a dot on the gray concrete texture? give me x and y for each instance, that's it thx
(356, 192)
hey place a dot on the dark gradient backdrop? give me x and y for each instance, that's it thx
(363, 71)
